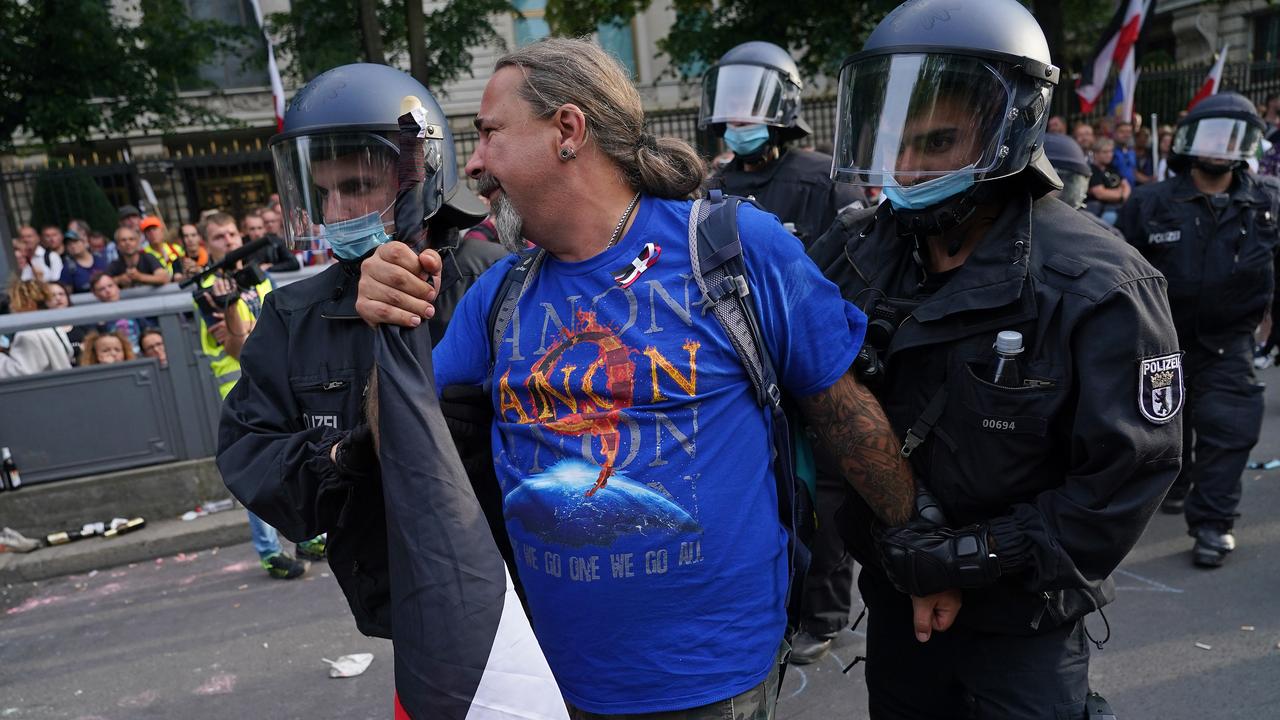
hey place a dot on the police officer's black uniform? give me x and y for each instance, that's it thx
(796, 186)
(1066, 470)
(305, 375)
(1047, 483)
(1218, 254)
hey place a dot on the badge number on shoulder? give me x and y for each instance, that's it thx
(1160, 387)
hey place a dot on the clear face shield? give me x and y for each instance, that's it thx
(338, 190)
(906, 120)
(747, 94)
(1226, 139)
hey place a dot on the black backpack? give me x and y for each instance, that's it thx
(721, 274)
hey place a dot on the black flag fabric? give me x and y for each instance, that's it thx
(463, 646)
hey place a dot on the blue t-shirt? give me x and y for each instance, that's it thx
(78, 277)
(662, 589)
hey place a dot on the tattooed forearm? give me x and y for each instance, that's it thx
(853, 427)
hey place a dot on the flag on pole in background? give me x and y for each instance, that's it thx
(1117, 45)
(464, 649)
(1211, 83)
(277, 87)
(1126, 87)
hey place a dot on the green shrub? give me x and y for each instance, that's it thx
(71, 193)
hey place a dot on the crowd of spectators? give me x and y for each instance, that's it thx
(1122, 156)
(53, 263)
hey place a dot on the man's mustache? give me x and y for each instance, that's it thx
(486, 184)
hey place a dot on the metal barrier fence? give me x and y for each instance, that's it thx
(102, 418)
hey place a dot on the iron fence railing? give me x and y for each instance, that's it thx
(1166, 91)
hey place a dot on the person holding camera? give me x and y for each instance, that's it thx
(228, 306)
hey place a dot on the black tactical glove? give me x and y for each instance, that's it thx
(356, 457)
(921, 559)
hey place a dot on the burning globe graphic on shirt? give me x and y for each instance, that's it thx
(554, 506)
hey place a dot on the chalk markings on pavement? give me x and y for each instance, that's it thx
(1148, 585)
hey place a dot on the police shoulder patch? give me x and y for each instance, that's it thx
(1160, 387)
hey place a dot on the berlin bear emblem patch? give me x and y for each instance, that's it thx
(1160, 387)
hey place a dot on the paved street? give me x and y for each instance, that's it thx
(209, 636)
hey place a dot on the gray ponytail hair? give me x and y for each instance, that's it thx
(561, 70)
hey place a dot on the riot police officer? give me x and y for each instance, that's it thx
(1212, 231)
(294, 444)
(751, 98)
(1026, 356)
(1072, 167)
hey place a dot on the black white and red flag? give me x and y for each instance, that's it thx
(1214, 79)
(463, 646)
(1118, 41)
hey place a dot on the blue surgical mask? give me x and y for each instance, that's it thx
(351, 239)
(930, 193)
(746, 140)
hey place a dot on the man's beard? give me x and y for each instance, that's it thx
(506, 219)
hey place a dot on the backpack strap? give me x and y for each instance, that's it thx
(720, 272)
(517, 280)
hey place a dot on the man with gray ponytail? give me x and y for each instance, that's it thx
(633, 456)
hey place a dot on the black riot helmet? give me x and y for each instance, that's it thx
(335, 159)
(1072, 166)
(1224, 128)
(756, 82)
(946, 96)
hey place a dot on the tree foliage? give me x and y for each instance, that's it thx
(1072, 28)
(58, 191)
(819, 33)
(574, 18)
(72, 68)
(321, 34)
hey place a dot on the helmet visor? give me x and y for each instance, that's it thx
(747, 94)
(905, 119)
(1218, 139)
(329, 178)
